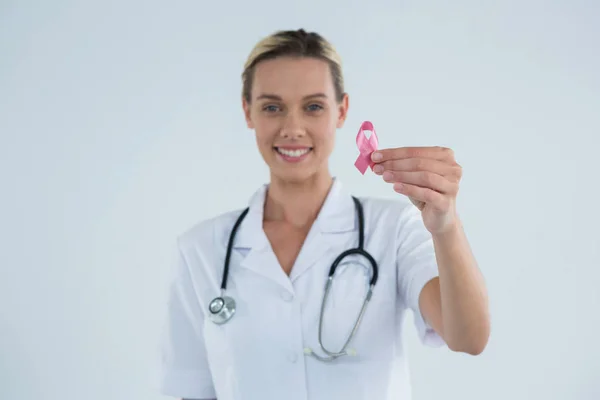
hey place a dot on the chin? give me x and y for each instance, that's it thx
(294, 168)
(294, 175)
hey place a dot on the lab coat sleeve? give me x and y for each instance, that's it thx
(416, 265)
(184, 369)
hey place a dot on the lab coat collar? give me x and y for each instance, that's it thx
(336, 218)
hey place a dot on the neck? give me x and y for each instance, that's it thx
(297, 203)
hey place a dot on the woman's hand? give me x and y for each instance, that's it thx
(429, 176)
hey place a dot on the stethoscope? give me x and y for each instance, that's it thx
(222, 308)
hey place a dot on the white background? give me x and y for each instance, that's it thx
(120, 120)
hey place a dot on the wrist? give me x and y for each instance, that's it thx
(449, 233)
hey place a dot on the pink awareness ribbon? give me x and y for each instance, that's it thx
(366, 146)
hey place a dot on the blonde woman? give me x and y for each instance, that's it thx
(301, 293)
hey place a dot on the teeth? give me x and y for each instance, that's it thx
(293, 153)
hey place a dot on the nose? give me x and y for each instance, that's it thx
(293, 127)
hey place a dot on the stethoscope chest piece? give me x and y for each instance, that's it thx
(221, 309)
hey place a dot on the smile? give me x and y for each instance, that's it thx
(293, 153)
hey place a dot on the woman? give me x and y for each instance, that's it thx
(268, 344)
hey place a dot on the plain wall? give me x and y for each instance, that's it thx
(120, 121)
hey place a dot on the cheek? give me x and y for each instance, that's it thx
(264, 138)
(264, 142)
(329, 143)
(326, 134)
(263, 129)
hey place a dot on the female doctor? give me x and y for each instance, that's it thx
(301, 294)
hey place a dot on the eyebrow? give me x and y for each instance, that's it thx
(275, 97)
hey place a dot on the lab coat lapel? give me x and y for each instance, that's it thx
(253, 242)
(334, 224)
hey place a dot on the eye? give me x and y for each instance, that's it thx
(270, 108)
(315, 107)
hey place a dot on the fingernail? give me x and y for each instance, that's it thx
(377, 156)
(387, 176)
(378, 169)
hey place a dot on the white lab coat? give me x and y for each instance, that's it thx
(259, 353)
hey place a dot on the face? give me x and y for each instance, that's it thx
(294, 112)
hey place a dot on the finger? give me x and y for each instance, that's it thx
(433, 152)
(451, 171)
(428, 196)
(423, 179)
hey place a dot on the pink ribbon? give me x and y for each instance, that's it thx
(366, 146)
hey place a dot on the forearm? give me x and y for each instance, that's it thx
(464, 300)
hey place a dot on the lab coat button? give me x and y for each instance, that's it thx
(287, 296)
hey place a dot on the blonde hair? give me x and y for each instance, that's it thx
(298, 43)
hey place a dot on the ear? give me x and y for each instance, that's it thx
(343, 111)
(246, 108)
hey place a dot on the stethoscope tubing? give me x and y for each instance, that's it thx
(224, 306)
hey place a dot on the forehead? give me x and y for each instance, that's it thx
(292, 77)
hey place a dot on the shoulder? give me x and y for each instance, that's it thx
(396, 218)
(388, 211)
(209, 232)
